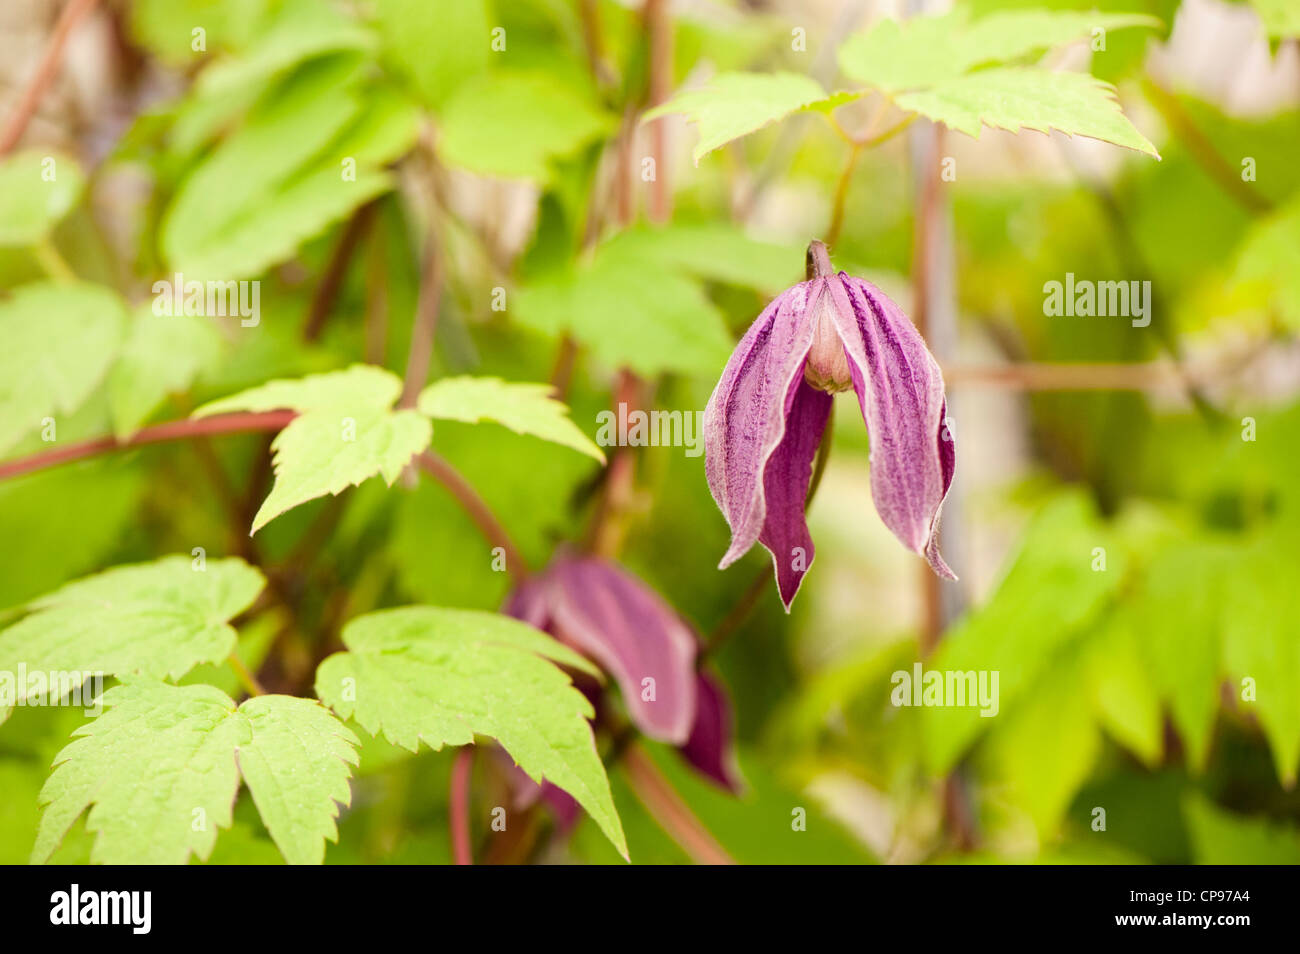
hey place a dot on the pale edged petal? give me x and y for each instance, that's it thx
(900, 389)
(745, 419)
(609, 615)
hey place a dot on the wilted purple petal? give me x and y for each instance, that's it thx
(606, 613)
(785, 485)
(563, 805)
(745, 420)
(900, 389)
(524, 793)
(711, 749)
(529, 602)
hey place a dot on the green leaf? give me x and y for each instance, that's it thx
(1261, 641)
(160, 769)
(928, 51)
(1270, 257)
(93, 502)
(37, 189)
(438, 551)
(162, 355)
(280, 179)
(159, 619)
(346, 432)
(359, 385)
(524, 408)
(59, 341)
(437, 46)
(325, 452)
(20, 780)
(167, 26)
(1179, 612)
(1013, 34)
(1123, 698)
(929, 61)
(1012, 98)
(720, 253)
(157, 771)
(300, 30)
(1047, 746)
(733, 105)
(1281, 17)
(1223, 838)
(441, 676)
(893, 56)
(387, 128)
(1049, 596)
(296, 767)
(513, 125)
(648, 318)
(753, 829)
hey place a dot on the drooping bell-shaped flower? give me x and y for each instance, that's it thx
(609, 615)
(765, 419)
(627, 629)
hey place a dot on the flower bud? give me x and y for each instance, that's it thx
(828, 366)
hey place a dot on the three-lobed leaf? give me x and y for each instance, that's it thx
(931, 65)
(160, 769)
(441, 676)
(347, 431)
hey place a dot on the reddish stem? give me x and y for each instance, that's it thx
(327, 292)
(670, 811)
(426, 323)
(461, 771)
(44, 75)
(171, 431)
(477, 509)
(1031, 376)
(659, 29)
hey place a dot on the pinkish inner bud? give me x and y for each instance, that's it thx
(827, 368)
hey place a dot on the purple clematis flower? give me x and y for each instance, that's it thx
(765, 419)
(711, 748)
(611, 616)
